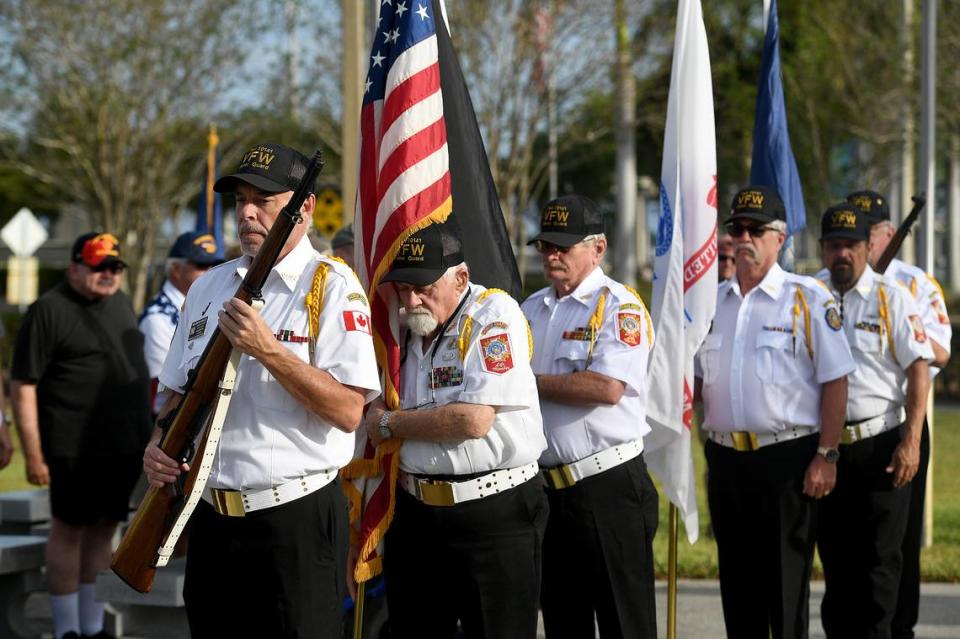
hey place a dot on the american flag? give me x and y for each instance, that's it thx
(404, 185)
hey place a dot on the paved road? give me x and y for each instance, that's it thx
(699, 615)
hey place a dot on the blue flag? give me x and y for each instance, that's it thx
(773, 162)
(210, 209)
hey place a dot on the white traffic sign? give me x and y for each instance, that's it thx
(23, 233)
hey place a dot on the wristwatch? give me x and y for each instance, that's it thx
(831, 455)
(383, 426)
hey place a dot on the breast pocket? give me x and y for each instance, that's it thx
(710, 357)
(572, 355)
(265, 389)
(866, 341)
(775, 358)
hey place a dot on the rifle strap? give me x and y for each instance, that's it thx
(206, 461)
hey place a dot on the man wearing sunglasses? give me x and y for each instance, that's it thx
(470, 511)
(80, 391)
(861, 525)
(772, 377)
(592, 336)
(190, 256)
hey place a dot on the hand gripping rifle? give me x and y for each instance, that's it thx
(184, 428)
(894, 246)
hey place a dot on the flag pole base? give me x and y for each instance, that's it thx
(358, 610)
(672, 575)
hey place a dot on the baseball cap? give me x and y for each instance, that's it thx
(270, 167)
(567, 220)
(197, 247)
(871, 203)
(343, 237)
(845, 220)
(425, 256)
(96, 250)
(758, 203)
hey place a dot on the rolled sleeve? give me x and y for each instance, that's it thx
(621, 352)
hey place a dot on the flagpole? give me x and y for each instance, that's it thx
(672, 575)
(358, 610)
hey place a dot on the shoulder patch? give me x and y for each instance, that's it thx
(358, 297)
(919, 334)
(942, 316)
(497, 355)
(833, 319)
(493, 326)
(356, 321)
(629, 328)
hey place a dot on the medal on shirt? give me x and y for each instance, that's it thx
(868, 326)
(284, 335)
(445, 376)
(579, 334)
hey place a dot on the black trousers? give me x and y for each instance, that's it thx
(908, 596)
(598, 556)
(477, 562)
(277, 572)
(860, 531)
(764, 526)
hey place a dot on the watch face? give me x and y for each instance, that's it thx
(385, 432)
(831, 455)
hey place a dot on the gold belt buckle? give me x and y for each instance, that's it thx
(560, 477)
(744, 440)
(228, 502)
(435, 494)
(851, 434)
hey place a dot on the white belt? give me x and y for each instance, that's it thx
(236, 503)
(568, 474)
(874, 426)
(448, 493)
(743, 440)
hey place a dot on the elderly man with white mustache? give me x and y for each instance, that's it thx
(772, 376)
(470, 512)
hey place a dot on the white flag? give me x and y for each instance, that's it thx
(685, 268)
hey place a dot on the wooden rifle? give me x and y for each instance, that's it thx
(184, 428)
(897, 240)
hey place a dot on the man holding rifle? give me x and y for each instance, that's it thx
(271, 530)
(936, 323)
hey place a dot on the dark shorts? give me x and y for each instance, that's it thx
(85, 490)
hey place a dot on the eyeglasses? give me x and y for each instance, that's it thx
(726, 258)
(113, 267)
(549, 247)
(737, 230)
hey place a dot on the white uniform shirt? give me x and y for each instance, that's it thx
(756, 371)
(929, 298)
(879, 383)
(496, 372)
(269, 437)
(561, 343)
(158, 326)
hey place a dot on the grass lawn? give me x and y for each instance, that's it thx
(941, 562)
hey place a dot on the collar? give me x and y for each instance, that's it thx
(173, 294)
(865, 283)
(585, 291)
(771, 284)
(290, 268)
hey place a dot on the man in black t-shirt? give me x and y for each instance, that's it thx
(80, 391)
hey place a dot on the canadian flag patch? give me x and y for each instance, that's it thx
(356, 321)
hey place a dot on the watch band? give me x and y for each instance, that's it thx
(384, 425)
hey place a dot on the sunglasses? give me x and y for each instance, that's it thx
(736, 230)
(548, 247)
(113, 267)
(726, 258)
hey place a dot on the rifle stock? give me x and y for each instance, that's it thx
(902, 231)
(185, 433)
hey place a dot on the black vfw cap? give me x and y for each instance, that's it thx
(759, 203)
(871, 203)
(270, 167)
(566, 220)
(845, 221)
(426, 255)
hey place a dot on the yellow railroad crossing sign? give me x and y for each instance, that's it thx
(328, 215)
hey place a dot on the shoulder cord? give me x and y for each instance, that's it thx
(883, 309)
(463, 341)
(646, 314)
(800, 305)
(314, 304)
